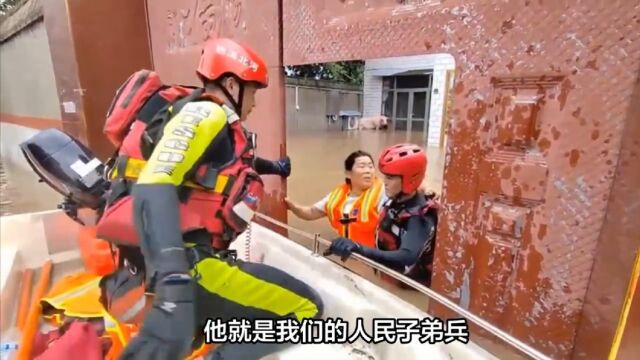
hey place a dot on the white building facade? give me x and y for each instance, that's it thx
(409, 90)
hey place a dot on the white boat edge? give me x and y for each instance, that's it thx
(28, 240)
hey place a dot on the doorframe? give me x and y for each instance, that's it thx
(427, 112)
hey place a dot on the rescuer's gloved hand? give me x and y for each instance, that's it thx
(284, 165)
(168, 328)
(280, 167)
(343, 247)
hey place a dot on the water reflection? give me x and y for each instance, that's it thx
(20, 191)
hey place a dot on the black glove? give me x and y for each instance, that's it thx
(169, 326)
(284, 166)
(280, 167)
(343, 247)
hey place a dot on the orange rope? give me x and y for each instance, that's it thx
(25, 292)
(33, 320)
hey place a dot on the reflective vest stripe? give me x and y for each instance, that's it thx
(371, 198)
(333, 197)
(135, 309)
(57, 300)
(111, 325)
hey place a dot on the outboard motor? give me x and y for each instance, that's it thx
(68, 167)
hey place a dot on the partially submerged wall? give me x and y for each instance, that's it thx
(28, 98)
(308, 102)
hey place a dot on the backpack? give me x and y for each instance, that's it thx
(135, 100)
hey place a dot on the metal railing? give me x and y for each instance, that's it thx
(315, 248)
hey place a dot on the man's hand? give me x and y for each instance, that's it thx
(168, 328)
(343, 247)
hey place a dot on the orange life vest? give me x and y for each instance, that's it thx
(360, 224)
(78, 296)
(216, 197)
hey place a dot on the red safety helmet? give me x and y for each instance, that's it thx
(224, 56)
(406, 160)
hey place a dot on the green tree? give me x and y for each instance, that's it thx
(351, 72)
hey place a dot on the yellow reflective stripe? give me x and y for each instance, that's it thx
(135, 166)
(54, 318)
(112, 325)
(366, 203)
(55, 301)
(333, 197)
(132, 170)
(134, 310)
(184, 140)
(233, 284)
(371, 199)
(626, 308)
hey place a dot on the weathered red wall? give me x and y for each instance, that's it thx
(618, 244)
(630, 343)
(95, 46)
(542, 99)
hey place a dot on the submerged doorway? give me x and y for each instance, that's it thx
(405, 100)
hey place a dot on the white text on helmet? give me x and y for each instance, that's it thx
(237, 57)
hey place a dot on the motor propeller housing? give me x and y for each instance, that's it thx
(67, 166)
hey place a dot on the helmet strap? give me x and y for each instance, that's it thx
(398, 196)
(237, 105)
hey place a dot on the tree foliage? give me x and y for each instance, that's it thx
(351, 72)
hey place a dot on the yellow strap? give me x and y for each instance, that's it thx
(626, 308)
(335, 196)
(134, 168)
(371, 198)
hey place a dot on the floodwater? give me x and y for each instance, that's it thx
(20, 191)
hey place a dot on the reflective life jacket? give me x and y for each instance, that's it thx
(221, 200)
(393, 223)
(77, 296)
(360, 223)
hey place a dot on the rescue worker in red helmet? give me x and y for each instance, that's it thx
(190, 280)
(405, 235)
